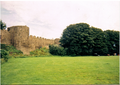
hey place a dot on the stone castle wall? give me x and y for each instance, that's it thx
(18, 36)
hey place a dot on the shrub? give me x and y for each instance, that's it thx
(10, 48)
(40, 52)
(13, 52)
(57, 50)
(4, 54)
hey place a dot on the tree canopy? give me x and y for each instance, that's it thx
(112, 41)
(99, 38)
(3, 25)
(77, 38)
(81, 39)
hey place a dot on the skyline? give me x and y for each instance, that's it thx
(48, 19)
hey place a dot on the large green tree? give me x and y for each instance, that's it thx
(3, 25)
(77, 39)
(81, 39)
(100, 41)
(112, 41)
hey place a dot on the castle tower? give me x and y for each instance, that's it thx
(18, 34)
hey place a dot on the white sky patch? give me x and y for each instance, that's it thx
(49, 18)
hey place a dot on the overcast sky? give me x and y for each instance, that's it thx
(48, 19)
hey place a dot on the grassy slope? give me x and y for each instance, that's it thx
(61, 70)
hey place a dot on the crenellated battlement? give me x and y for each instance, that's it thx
(18, 36)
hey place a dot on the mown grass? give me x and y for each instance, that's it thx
(61, 70)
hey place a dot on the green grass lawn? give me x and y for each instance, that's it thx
(61, 70)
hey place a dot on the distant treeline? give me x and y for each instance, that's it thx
(81, 39)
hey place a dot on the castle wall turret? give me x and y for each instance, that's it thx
(18, 34)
